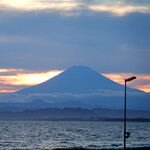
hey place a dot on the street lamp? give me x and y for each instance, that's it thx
(126, 134)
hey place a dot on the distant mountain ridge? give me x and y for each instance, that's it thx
(36, 104)
(70, 113)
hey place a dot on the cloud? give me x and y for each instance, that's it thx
(12, 80)
(76, 7)
(145, 88)
(49, 41)
(120, 10)
(61, 6)
(62, 97)
(6, 88)
(142, 81)
(10, 70)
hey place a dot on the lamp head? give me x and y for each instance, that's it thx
(130, 79)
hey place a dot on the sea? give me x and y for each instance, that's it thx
(68, 134)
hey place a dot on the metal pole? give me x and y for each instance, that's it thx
(126, 134)
(125, 119)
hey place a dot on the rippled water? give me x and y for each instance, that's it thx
(54, 134)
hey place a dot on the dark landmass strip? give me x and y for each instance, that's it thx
(75, 114)
(83, 119)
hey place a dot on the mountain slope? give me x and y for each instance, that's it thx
(77, 79)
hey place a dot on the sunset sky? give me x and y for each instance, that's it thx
(41, 38)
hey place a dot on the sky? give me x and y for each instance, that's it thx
(41, 38)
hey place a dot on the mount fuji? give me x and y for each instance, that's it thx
(76, 80)
(80, 86)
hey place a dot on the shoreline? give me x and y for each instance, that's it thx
(78, 148)
(84, 119)
(130, 148)
(136, 148)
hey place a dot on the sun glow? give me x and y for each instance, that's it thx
(29, 79)
(22, 78)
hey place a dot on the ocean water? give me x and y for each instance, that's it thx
(62, 134)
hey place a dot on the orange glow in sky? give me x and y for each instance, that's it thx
(142, 81)
(12, 80)
(29, 79)
(10, 70)
(21, 78)
(145, 88)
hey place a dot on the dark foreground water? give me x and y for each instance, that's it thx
(59, 134)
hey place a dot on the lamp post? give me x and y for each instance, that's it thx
(126, 134)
